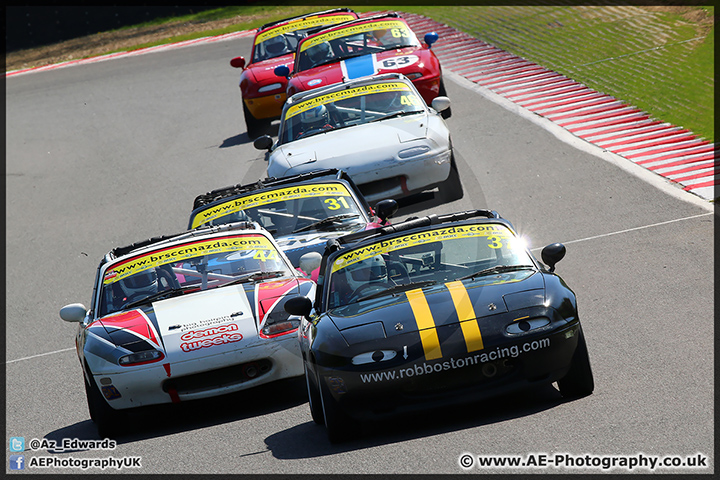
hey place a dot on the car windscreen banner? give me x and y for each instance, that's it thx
(185, 252)
(302, 24)
(348, 93)
(397, 27)
(496, 236)
(266, 198)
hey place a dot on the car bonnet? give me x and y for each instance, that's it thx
(436, 306)
(205, 323)
(351, 143)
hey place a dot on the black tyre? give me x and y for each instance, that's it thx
(314, 398)
(578, 382)
(255, 126)
(108, 421)
(443, 93)
(340, 427)
(451, 189)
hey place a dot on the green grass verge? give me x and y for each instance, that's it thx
(658, 60)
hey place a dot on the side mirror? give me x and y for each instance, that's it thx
(552, 254)
(300, 306)
(385, 209)
(282, 71)
(75, 312)
(440, 103)
(430, 38)
(264, 142)
(238, 62)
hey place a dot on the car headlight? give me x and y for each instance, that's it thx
(444, 157)
(281, 327)
(413, 151)
(414, 75)
(526, 324)
(140, 358)
(373, 357)
(270, 88)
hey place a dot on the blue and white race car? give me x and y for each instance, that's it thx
(184, 317)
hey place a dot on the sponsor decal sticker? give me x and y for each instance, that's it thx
(209, 337)
(302, 24)
(265, 198)
(186, 251)
(110, 392)
(347, 93)
(496, 234)
(399, 28)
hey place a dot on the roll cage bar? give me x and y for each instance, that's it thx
(357, 20)
(345, 84)
(413, 222)
(335, 244)
(306, 15)
(233, 190)
(118, 252)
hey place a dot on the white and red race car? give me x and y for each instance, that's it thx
(187, 316)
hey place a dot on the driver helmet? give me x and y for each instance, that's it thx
(314, 118)
(143, 283)
(318, 53)
(276, 45)
(361, 273)
(310, 262)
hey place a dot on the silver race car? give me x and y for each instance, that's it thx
(378, 129)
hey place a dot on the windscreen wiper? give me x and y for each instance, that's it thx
(398, 288)
(497, 269)
(326, 221)
(399, 113)
(255, 276)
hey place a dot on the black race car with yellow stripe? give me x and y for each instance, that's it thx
(435, 310)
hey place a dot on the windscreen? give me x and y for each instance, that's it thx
(189, 267)
(283, 39)
(349, 107)
(482, 252)
(352, 41)
(287, 210)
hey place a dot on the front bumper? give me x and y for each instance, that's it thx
(167, 382)
(400, 178)
(417, 384)
(267, 107)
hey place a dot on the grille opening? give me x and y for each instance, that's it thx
(380, 186)
(222, 377)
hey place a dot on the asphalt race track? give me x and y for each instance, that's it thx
(105, 154)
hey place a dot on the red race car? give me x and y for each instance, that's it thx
(263, 93)
(366, 46)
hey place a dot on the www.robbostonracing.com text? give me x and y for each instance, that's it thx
(452, 363)
(583, 462)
